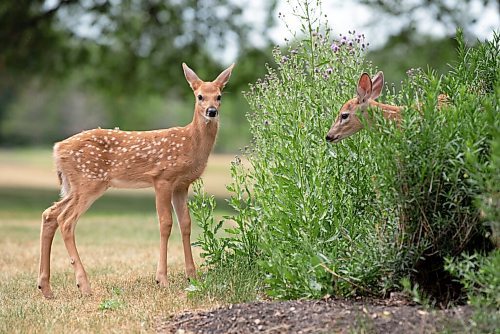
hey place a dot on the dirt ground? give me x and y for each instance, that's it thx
(395, 315)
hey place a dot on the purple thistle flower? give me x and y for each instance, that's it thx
(335, 47)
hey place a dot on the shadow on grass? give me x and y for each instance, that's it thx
(32, 201)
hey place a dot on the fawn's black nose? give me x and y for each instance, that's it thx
(212, 112)
(331, 138)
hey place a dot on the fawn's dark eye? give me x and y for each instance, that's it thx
(200, 97)
(344, 116)
(219, 97)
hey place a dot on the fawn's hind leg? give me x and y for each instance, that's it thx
(47, 231)
(79, 201)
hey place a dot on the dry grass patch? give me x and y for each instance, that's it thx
(118, 241)
(119, 253)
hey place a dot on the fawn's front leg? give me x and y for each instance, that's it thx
(163, 192)
(179, 200)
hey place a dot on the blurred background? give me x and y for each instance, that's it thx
(69, 65)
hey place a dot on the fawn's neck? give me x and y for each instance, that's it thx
(390, 111)
(203, 133)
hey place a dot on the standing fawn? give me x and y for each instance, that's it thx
(348, 123)
(169, 160)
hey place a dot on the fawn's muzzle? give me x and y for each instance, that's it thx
(331, 138)
(211, 112)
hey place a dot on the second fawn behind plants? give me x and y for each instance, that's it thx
(368, 90)
(169, 160)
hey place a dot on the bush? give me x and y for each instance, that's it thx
(442, 162)
(353, 218)
(480, 276)
(303, 209)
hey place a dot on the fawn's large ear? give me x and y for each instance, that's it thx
(223, 78)
(377, 85)
(364, 89)
(191, 77)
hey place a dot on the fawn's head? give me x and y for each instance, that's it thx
(347, 122)
(208, 94)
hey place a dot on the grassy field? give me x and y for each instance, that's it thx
(118, 241)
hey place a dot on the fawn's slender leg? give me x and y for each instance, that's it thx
(179, 200)
(163, 192)
(78, 203)
(47, 231)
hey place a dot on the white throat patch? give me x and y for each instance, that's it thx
(210, 119)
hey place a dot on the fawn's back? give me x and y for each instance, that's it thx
(131, 159)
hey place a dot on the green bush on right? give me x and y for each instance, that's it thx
(313, 219)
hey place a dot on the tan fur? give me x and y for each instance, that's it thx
(169, 160)
(368, 90)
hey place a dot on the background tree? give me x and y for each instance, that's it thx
(127, 53)
(76, 64)
(438, 14)
(425, 30)
(122, 42)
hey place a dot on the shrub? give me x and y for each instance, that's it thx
(304, 210)
(442, 162)
(353, 218)
(480, 276)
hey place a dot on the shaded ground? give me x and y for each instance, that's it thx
(319, 316)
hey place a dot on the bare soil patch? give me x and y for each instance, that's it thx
(319, 316)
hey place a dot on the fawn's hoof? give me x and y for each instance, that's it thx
(162, 281)
(46, 291)
(85, 289)
(191, 275)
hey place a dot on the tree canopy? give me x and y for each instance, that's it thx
(448, 14)
(125, 42)
(67, 65)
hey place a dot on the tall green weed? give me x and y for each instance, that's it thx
(304, 209)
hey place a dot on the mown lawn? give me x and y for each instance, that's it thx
(118, 241)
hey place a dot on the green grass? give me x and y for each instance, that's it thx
(28, 202)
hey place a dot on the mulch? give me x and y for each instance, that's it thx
(395, 315)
